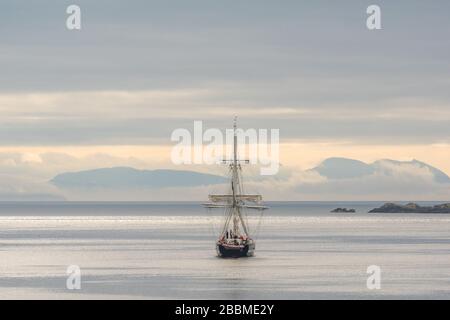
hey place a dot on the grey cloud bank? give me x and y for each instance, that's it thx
(315, 59)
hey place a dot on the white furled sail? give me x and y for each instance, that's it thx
(240, 197)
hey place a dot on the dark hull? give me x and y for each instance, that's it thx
(235, 252)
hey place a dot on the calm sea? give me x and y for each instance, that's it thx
(166, 251)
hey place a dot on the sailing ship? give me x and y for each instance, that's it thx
(235, 239)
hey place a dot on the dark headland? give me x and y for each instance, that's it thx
(411, 208)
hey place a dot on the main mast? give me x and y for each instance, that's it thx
(235, 187)
(236, 202)
(234, 177)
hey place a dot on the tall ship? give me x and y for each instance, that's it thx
(235, 240)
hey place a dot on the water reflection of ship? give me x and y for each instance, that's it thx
(235, 239)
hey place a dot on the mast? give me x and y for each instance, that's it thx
(234, 185)
(234, 165)
(235, 202)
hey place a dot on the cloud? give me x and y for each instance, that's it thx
(22, 187)
(25, 175)
(150, 116)
(138, 71)
(390, 181)
(30, 158)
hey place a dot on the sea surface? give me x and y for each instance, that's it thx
(167, 251)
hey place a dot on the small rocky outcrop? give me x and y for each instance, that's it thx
(343, 210)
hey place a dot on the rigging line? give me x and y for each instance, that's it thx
(213, 229)
(227, 221)
(258, 228)
(245, 212)
(214, 224)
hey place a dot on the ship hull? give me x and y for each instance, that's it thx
(231, 251)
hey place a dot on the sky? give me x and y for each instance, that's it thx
(113, 92)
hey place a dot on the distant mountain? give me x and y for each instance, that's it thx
(342, 168)
(333, 179)
(125, 177)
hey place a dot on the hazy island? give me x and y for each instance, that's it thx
(411, 208)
